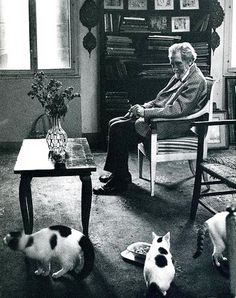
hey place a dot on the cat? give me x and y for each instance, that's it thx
(216, 227)
(159, 270)
(69, 247)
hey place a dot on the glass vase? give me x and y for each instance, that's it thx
(57, 140)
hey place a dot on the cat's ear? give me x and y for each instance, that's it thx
(167, 237)
(153, 235)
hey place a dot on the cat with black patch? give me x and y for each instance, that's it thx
(67, 246)
(216, 227)
(159, 270)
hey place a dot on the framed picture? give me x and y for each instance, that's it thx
(218, 135)
(159, 24)
(137, 4)
(113, 4)
(189, 4)
(164, 4)
(180, 24)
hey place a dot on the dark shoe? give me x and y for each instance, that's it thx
(109, 190)
(105, 178)
(113, 186)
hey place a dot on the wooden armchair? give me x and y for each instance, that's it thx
(221, 167)
(182, 148)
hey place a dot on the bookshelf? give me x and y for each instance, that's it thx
(135, 37)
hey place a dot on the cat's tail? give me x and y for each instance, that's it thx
(153, 291)
(200, 241)
(89, 256)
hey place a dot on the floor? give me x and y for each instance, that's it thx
(116, 222)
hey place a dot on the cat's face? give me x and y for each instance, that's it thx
(163, 241)
(12, 240)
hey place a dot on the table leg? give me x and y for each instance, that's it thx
(26, 205)
(86, 200)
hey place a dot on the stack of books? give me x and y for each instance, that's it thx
(202, 50)
(120, 46)
(111, 22)
(134, 25)
(155, 70)
(117, 103)
(115, 69)
(155, 59)
(157, 47)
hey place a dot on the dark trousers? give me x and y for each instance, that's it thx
(121, 135)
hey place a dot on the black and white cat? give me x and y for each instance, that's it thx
(69, 247)
(159, 270)
(216, 227)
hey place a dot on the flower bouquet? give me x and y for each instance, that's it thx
(55, 102)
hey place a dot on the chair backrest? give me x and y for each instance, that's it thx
(209, 106)
(207, 109)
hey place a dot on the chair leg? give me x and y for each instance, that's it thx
(152, 174)
(196, 194)
(205, 179)
(192, 166)
(140, 164)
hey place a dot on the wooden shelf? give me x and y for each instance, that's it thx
(123, 74)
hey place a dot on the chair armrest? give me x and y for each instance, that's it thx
(217, 122)
(154, 121)
(192, 117)
(158, 120)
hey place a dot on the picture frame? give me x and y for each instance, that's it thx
(189, 4)
(113, 4)
(137, 4)
(164, 4)
(159, 24)
(180, 24)
(218, 135)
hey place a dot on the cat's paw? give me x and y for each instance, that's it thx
(39, 271)
(45, 273)
(56, 275)
(42, 272)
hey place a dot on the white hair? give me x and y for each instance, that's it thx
(185, 49)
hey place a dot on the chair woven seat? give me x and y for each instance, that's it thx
(221, 165)
(223, 172)
(224, 158)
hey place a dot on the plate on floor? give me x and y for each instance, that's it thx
(136, 252)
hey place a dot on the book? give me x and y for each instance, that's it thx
(117, 93)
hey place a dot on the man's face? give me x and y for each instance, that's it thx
(179, 66)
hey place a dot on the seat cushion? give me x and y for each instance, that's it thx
(186, 144)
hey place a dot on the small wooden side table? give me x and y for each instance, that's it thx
(33, 161)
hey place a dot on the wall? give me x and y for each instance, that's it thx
(18, 111)
(89, 84)
(217, 66)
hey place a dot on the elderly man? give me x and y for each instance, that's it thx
(183, 95)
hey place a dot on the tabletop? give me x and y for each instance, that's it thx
(33, 158)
